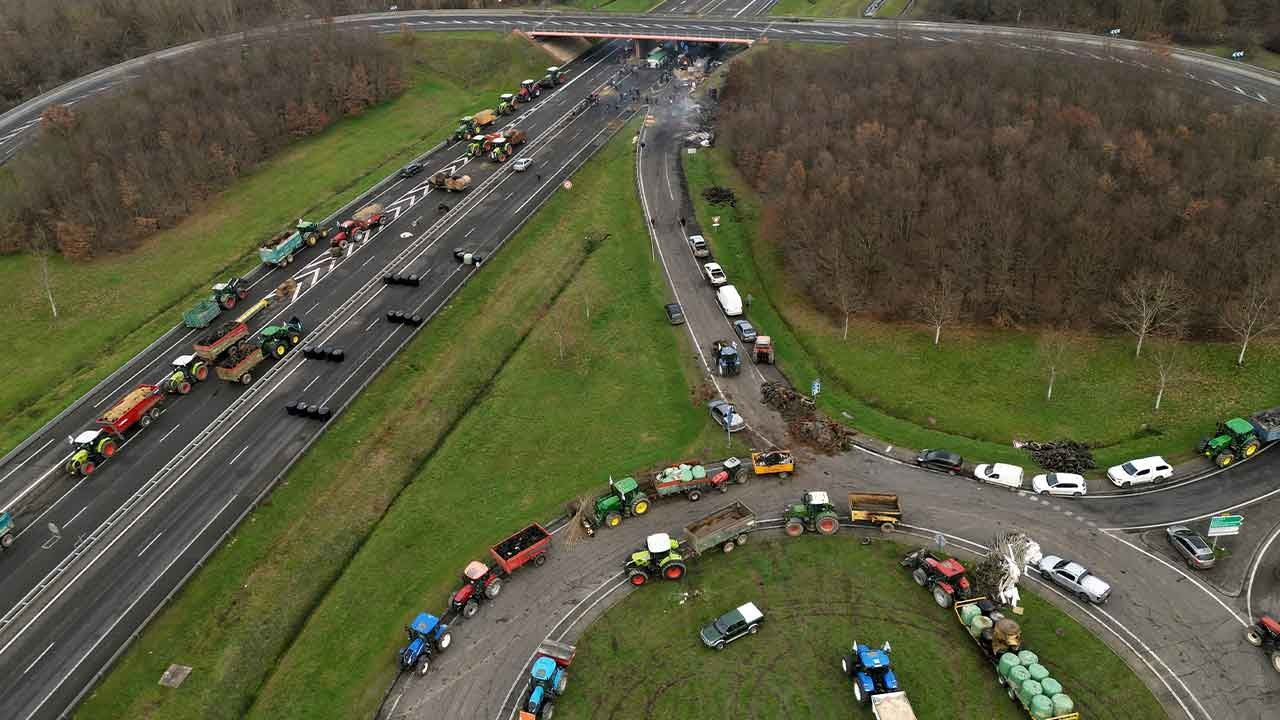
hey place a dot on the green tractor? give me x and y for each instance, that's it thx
(475, 148)
(277, 339)
(814, 513)
(506, 104)
(659, 558)
(466, 128)
(624, 499)
(1234, 440)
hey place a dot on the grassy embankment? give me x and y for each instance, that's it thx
(618, 6)
(840, 8)
(111, 308)
(476, 428)
(980, 389)
(816, 602)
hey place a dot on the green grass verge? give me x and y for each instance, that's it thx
(535, 439)
(618, 6)
(1258, 55)
(817, 600)
(111, 308)
(980, 389)
(819, 8)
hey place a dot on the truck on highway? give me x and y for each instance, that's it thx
(880, 509)
(136, 409)
(239, 361)
(279, 250)
(664, 556)
(1018, 669)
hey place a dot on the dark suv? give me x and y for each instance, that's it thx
(943, 460)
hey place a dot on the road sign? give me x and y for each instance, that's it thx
(1238, 55)
(1113, 31)
(816, 387)
(1223, 525)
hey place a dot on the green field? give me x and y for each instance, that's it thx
(333, 564)
(618, 6)
(643, 659)
(111, 308)
(981, 389)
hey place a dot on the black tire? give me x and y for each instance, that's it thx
(470, 609)
(390, 279)
(416, 320)
(308, 351)
(613, 518)
(753, 629)
(313, 411)
(719, 645)
(1082, 596)
(145, 420)
(921, 578)
(424, 664)
(291, 407)
(694, 496)
(548, 710)
(741, 539)
(337, 354)
(941, 597)
(1253, 636)
(858, 693)
(540, 560)
(794, 527)
(846, 665)
(493, 589)
(324, 413)
(727, 546)
(561, 683)
(443, 642)
(6, 540)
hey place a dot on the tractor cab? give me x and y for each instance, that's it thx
(660, 556)
(656, 547)
(874, 657)
(529, 89)
(480, 583)
(427, 636)
(816, 500)
(506, 102)
(1233, 440)
(466, 126)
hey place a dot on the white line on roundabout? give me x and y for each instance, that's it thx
(1253, 571)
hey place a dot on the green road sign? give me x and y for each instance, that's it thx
(1226, 521)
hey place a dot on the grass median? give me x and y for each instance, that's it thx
(981, 389)
(480, 425)
(113, 307)
(817, 599)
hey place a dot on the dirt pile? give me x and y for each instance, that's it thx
(822, 434)
(791, 404)
(717, 195)
(1066, 456)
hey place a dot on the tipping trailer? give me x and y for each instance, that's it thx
(279, 251)
(725, 528)
(214, 344)
(994, 643)
(530, 545)
(91, 448)
(483, 582)
(882, 509)
(892, 706)
(1267, 424)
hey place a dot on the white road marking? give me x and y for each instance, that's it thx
(1257, 560)
(472, 229)
(38, 659)
(1190, 579)
(166, 435)
(73, 517)
(308, 385)
(148, 545)
(237, 456)
(36, 522)
(37, 451)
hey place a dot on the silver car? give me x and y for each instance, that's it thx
(1075, 578)
(726, 416)
(1191, 547)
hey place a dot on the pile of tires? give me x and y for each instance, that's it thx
(304, 409)
(324, 352)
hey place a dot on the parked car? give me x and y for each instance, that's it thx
(745, 330)
(698, 245)
(1002, 474)
(674, 314)
(1059, 484)
(726, 416)
(1075, 578)
(943, 460)
(1191, 547)
(730, 301)
(745, 620)
(715, 274)
(1142, 470)
(410, 170)
(522, 164)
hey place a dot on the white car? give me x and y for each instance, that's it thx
(1142, 470)
(715, 274)
(1002, 474)
(1059, 484)
(522, 164)
(730, 301)
(698, 245)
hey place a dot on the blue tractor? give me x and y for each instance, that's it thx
(547, 680)
(427, 637)
(870, 671)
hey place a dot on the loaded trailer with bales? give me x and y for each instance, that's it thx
(1018, 670)
(692, 480)
(667, 557)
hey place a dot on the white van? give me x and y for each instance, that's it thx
(1002, 474)
(730, 302)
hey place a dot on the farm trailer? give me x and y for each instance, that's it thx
(627, 497)
(483, 582)
(664, 556)
(137, 409)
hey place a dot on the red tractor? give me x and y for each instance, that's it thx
(1265, 634)
(366, 220)
(482, 584)
(944, 577)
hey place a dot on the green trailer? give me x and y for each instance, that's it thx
(8, 530)
(279, 251)
(202, 314)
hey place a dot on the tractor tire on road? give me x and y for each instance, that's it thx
(640, 505)
(540, 560)
(613, 518)
(1253, 637)
(794, 528)
(6, 540)
(492, 589)
(637, 578)
(827, 525)
(694, 496)
(424, 664)
(470, 609)
(444, 641)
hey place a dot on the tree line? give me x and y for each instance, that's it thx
(1243, 22)
(44, 43)
(107, 172)
(1010, 189)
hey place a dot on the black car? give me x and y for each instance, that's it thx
(943, 460)
(410, 170)
(674, 314)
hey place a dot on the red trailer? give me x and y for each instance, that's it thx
(212, 345)
(530, 544)
(140, 406)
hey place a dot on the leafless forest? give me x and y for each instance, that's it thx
(46, 42)
(143, 158)
(1237, 21)
(1008, 189)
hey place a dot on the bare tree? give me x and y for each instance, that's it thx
(939, 305)
(1165, 357)
(1252, 314)
(1053, 348)
(40, 244)
(1148, 303)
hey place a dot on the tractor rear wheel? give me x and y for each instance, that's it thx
(1253, 636)
(87, 467)
(919, 575)
(470, 609)
(200, 372)
(1250, 448)
(107, 448)
(794, 527)
(492, 589)
(640, 505)
(444, 641)
(1223, 459)
(941, 597)
(613, 518)
(674, 571)
(1275, 661)
(278, 350)
(548, 709)
(637, 577)
(827, 524)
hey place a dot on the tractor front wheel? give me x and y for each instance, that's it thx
(941, 597)
(424, 663)
(637, 577)
(674, 571)
(183, 387)
(828, 525)
(470, 609)
(561, 683)
(278, 350)
(794, 527)
(1253, 636)
(311, 239)
(613, 518)
(444, 641)
(1223, 459)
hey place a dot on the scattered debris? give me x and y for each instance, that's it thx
(790, 403)
(822, 434)
(174, 675)
(717, 195)
(1067, 456)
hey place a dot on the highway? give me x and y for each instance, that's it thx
(130, 534)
